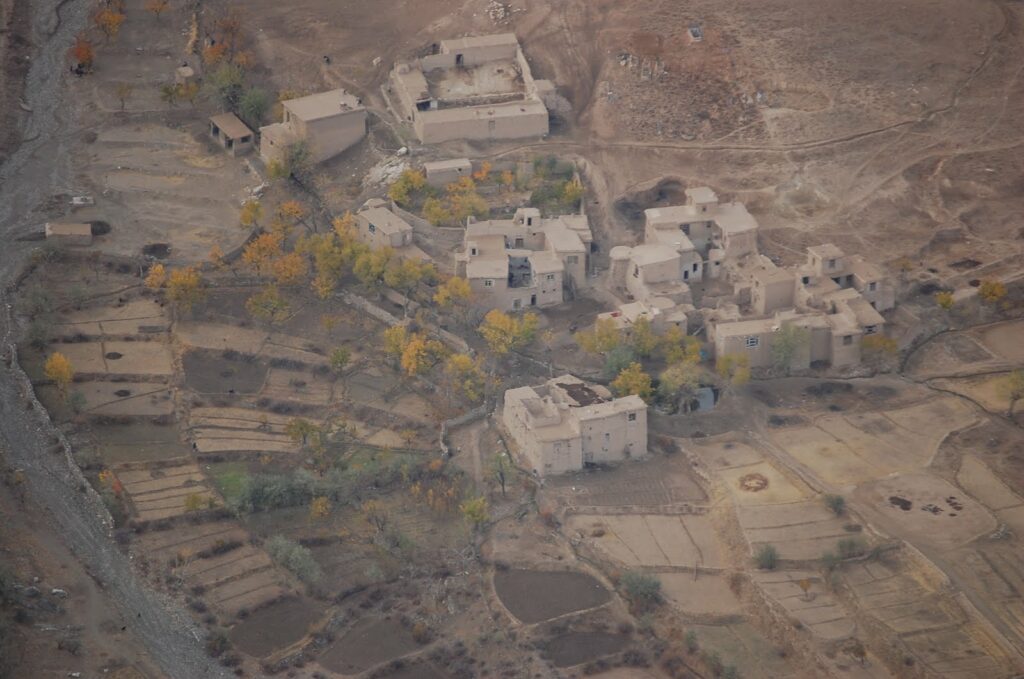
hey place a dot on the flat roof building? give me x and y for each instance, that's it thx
(328, 122)
(566, 423)
(478, 87)
(231, 133)
(69, 233)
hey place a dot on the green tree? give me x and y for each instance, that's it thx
(767, 557)
(253, 106)
(617, 360)
(788, 343)
(226, 84)
(299, 430)
(633, 380)
(294, 557)
(837, 503)
(268, 305)
(340, 358)
(679, 383)
(643, 590)
(500, 470)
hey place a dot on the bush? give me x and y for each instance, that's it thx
(767, 558)
(295, 558)
(837, 503)
(691, 641)
(851, 547)
(642, 589)
(217, 643)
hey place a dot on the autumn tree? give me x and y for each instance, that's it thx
(600, 339)
(289, 269)
(370, 266)
(508, 180)
(465, 376)
(733, 368)
(455, 294)
(475, 511)
(642, 338)
(157, 277)
(464, 201)
(251, 214)
(185, 288)
(395, 338)
(319, 508)
(1012, 388)
(572, 193)
(633, 380)
(504, 333)
(675, 346)
(83, 53)
(483, 172)
(408, 183)
(193, 502)
(109, 19)
(878, 349)
(216, 257)
(944, 299)
(268, 305)
(156, 7)
(261, 252)
(58, 369)
(420, 354)
(124, 91)
(992, 291)
(435, 212)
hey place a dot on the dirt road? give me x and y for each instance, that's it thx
(39, 169)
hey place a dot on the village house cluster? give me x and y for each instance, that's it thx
(697, 268)
(526, 261)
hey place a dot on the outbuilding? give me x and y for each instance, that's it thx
(69, 233)
(231, 133)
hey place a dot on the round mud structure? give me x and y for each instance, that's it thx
(753, 483)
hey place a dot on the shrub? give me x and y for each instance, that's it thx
(851, 547)
(767, 558)
(295, 558)
(642, 589)
(837, 503)
(691, 641)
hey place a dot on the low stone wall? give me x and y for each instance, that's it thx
(473, 415)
